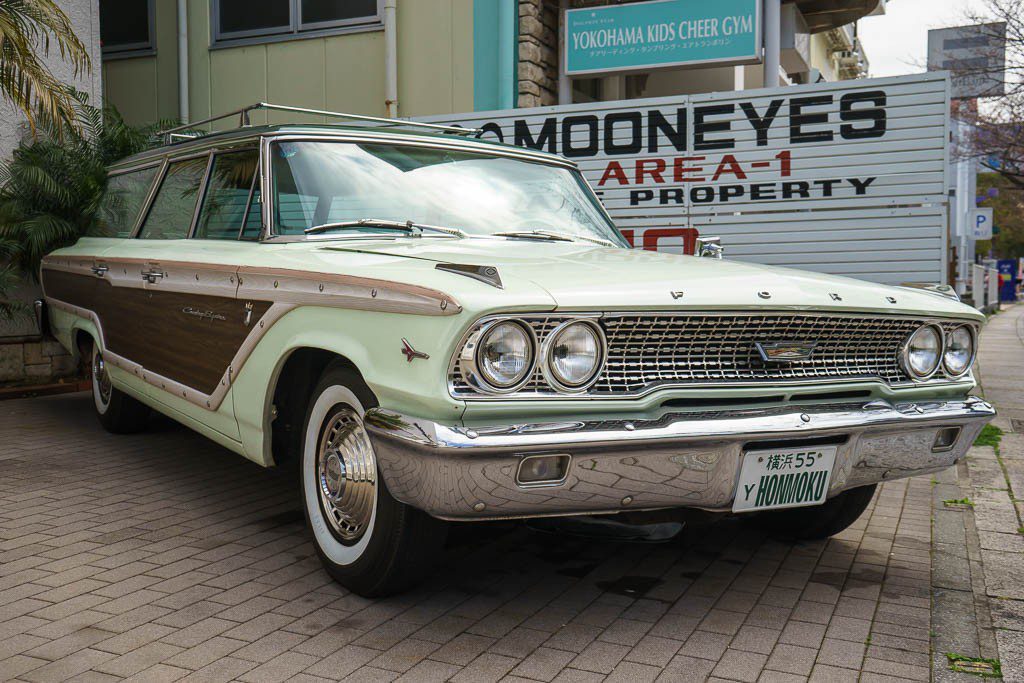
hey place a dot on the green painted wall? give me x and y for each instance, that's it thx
(145, 89)
(485, 57)
(344, 72)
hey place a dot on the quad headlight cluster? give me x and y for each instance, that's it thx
(503, 355)
(930, 349)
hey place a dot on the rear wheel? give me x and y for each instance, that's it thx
(368, 541)
(808, 523)
(118, 412)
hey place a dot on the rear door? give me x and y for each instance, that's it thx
(134, 320)
(83, 278)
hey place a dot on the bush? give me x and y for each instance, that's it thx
(51, 188)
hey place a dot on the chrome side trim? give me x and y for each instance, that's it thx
(287, 289)
(269, 284)
(342, 291)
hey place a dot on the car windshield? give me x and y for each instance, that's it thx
(321, 183)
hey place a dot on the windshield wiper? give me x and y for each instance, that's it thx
(411, 228)
(554, 236)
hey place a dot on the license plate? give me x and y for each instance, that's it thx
(784, 478)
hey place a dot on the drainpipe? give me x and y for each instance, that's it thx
(391, 58)
(506, 53)
(772, 42)
(183, 61)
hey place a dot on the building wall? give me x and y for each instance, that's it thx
(84, 15)
(23, 356)
(341, 72)
(821, 57)
(538, 53)
(145, 89)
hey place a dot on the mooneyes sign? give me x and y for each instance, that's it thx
(847, 178)
(664, 33)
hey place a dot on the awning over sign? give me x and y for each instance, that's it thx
(824, 15)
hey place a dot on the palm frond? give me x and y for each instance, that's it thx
(27, 28)
(50, 189)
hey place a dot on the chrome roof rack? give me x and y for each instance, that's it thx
(172, 134)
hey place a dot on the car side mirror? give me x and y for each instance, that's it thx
(710, 247)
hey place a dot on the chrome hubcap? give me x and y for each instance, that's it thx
(101, 377)
(347, 474)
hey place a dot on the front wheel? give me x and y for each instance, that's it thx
(369, 542)
(822, 521)
(118, 412)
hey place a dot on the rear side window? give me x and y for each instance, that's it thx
(122, 201)
(228, 190)
(170, 216)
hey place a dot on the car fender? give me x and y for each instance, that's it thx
(373, 342)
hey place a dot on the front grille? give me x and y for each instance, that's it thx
(646, 351)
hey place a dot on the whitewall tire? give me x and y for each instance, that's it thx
(117, 411)
(341, 403)
(369, 542)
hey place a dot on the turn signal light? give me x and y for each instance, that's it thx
(945, 439)
(543, 470)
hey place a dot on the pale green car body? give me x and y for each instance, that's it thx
(406, 354)
(537, 276)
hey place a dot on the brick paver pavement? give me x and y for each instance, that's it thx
(162, 557)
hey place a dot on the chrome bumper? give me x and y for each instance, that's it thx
(677, 460)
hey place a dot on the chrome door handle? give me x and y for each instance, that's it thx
(99, 271)
(151, 276)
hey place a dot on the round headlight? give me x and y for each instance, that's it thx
(959, 351)
(504, 355)
(923, 351)
(574, 355)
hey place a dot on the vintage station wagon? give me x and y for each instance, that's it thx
(434, 328)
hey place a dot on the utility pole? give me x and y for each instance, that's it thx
(772, 18)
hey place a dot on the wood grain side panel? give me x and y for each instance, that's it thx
(71, 288)
(195, 337)
(188, 338)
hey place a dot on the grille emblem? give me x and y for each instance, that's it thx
(785, 351)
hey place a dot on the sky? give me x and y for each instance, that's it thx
(897, 43)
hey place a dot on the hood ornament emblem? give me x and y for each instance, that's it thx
(785, 351)
(486, 274)
(412, 354)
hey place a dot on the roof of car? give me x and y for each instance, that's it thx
(225, 138)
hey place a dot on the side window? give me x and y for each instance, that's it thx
(254, 219)
(227, 195)
(293, 210)
(122, 201)
(170, 216)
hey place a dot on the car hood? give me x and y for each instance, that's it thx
(583, 276)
